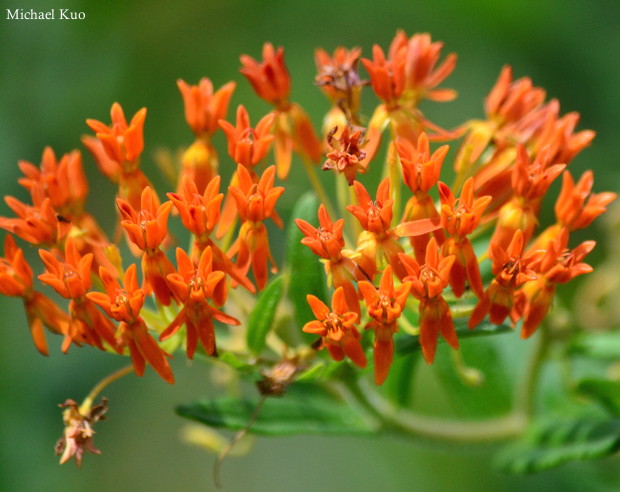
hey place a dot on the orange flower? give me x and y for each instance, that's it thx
(558, 134)
(71, 279)
(16, 281)
(256, 201)
(539, 128)
(15, 272)
(402, 81)
(194, 286)
(375, 216)
(421, 74)
(293, 129)
(200, 213)
(203, 107)
(379, 239)
(421, 172)
(336, 327)
(108, 167)
(460, 218)
(248, 146)
(203, 110)
(516, 108)
(384, 306)
(270, 78)
(511, 269)
(576, 206)
(387, 75)
(558, 265)
(530, 182)
(427, 284)
(124, 304)
(147, 229)
(346, 156)
(516, 113)
(38, 223)
(122, 142)
(63, 181)
(327, 242)
(255, 204)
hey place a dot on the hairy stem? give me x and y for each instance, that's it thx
(238, 436)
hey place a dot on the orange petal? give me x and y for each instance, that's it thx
(383, 355)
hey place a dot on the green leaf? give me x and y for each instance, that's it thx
(555, 442)
(262, 316)
(303, 409)
(600, 345)
(307, 274)
(605, 391)
(491, 391)
(399, 384)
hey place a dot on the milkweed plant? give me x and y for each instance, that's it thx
(435, 263)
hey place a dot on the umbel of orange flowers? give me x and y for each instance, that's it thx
(390, 266)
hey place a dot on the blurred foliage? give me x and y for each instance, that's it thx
(55, 74)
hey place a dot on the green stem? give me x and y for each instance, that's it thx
(357, 228)
(318, 188)
(345, 195)
(469, 376)
(238, 436)
(459, 312)
(101, 385)
(494, 429)
(392, 163)
(407, 327)
(526, 391)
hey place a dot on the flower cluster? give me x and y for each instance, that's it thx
(403, 256)
(504, 166)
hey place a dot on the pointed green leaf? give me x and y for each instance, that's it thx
(303, 409)
(306, 270)
(558, 441)
(263, 315)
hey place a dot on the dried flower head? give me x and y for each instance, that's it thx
(77, 438)
(346, 155)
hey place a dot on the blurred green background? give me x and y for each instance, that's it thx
(55, 74)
